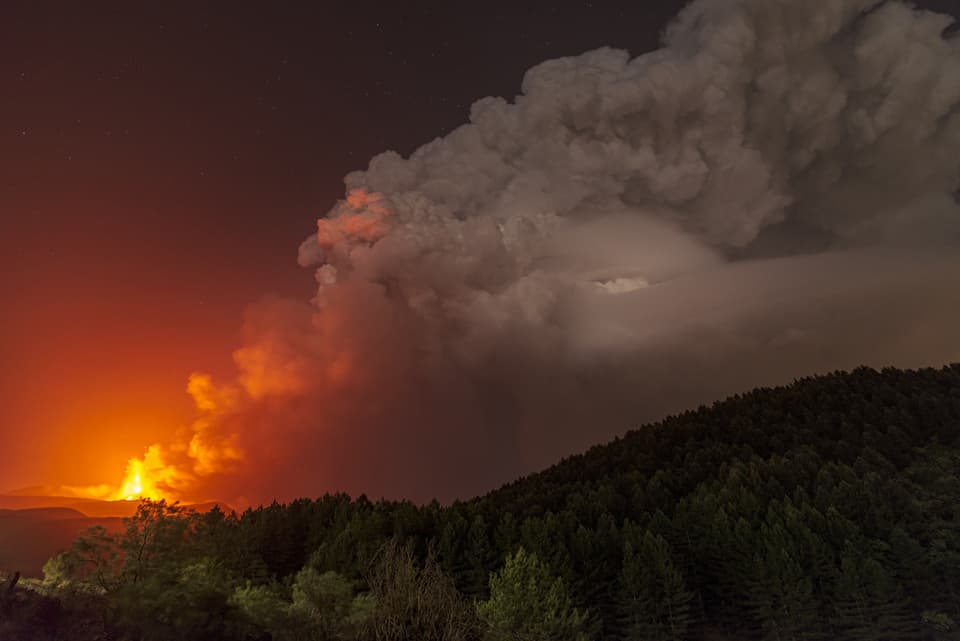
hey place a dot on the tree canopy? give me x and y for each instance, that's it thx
(827, 509)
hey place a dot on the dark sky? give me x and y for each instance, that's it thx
(161, 163)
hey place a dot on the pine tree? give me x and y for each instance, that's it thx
(479, 556)
(781, 589)
(655, 604)
(450, 549)
(869, 604)
(527, 603)
(726, 563)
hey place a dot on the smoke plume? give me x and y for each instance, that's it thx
(767, 196)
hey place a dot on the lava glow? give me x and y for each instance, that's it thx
(137, 484)
(149, 477)
(171, 471)
(144, 478)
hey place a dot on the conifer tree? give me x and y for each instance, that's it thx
(527, 603)
(655, 604)
(781, 588)
(869, 604)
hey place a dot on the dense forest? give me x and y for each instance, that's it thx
(828, 509)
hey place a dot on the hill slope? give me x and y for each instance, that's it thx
(827, 509)
(787, 507)
(840, 417)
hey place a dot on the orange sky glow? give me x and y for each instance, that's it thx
(162, 166)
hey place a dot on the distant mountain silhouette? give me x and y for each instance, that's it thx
(35, 528)
(31, 536)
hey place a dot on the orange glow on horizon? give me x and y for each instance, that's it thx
(137, 484)
(171, 471)
(144, 478)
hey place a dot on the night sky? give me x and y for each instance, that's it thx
(161, 163)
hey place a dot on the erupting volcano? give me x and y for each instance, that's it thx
(768, 195)
(144, 478)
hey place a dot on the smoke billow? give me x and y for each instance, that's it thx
(769, 195)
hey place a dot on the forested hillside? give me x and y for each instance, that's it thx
(829, 509)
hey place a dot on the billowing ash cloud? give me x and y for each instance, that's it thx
(767, 196)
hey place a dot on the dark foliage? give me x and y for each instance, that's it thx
(829, 509)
